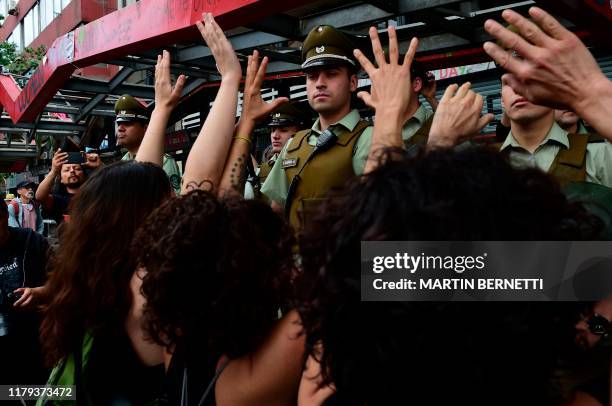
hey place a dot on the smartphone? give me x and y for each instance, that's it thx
(76, 158)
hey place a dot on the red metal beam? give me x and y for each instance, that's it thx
(141, 26)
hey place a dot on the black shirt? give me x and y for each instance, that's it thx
(200, 374)
(114, 374)
(22, 264)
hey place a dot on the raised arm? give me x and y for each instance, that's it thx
(206, 160)
(390, 94)
(43, 193)
(555, 69)
(166, 99)
(253, 110)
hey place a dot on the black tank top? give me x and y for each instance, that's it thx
(194, 382)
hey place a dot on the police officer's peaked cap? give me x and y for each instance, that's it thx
(325, 46)
(128, 108)
(288, 114)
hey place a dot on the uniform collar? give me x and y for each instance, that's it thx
(349, 122)
(273, 158)
(555, 135)
(420, 114)
(129, 157)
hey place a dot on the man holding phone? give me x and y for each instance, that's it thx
(68, 166)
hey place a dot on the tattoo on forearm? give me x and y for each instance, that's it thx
(206, 184)
(238, 173)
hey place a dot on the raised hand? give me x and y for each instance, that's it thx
(166, 95)
(458, 116)
(225, 57)
(166, 98)
(390, 92)
(254, 108)
(555, 68)
(59, 158)
(205, 163)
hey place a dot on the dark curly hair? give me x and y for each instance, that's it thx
(92, 269)
(217, 273)
(390, 353)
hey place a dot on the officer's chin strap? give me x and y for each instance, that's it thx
(324, 142)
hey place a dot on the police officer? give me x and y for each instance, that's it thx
(285, 121)
(416, 129)
(536, 140)
(336, 147)
(570, 122)
(132, 119)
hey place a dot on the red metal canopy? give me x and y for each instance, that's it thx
(144, 25)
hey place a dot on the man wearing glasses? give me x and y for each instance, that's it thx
(593, 335)
(594, 325)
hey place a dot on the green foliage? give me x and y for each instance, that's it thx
(8, 53)
(20, 63)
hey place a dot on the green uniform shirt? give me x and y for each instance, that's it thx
(249, 193)
(415, 122)
(598, 156)
(276, 185)
(170, 167)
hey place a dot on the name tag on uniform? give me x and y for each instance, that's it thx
(289, 163)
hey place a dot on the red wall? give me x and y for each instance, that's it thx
(10, 22)
(77, 12)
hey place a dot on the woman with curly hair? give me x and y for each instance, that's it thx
(217, 273)
(432, 353)
(214, 273)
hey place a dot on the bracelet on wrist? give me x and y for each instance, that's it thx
(247, 139)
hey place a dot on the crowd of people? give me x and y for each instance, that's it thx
(240, 284)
